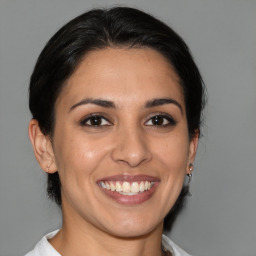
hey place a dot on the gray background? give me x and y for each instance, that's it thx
(219, 218)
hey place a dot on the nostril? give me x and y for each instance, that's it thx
(131, 150)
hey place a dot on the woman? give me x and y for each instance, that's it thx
(116, 100)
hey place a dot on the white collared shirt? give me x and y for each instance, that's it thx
(44, 248)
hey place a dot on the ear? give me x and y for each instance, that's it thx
(42, 147)
(192, 151)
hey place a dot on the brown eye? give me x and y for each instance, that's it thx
(160, 120)
(157, 120)
(95, 120)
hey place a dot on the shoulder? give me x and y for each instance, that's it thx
(43, 247)
(172, 247)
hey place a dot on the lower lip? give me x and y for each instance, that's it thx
(132, 199)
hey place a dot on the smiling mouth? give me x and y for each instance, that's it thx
(127, 188)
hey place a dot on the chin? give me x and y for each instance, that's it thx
(133, 228)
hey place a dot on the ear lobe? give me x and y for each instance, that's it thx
(42, 147)
(192, 150)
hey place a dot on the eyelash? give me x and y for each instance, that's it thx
(94, 116)
(165, 121)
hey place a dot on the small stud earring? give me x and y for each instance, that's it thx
(191, 167)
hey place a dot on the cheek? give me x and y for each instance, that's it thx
(77, 164)
(77, 155)
(174, 152)
(172, 157)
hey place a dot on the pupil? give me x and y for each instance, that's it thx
(96, 120)
(157, 120)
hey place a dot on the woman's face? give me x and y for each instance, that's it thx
(121, 143)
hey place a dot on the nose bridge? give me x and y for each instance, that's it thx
(131, 146)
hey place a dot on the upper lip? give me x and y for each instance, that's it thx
(129, 178)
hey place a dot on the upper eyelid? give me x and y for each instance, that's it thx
(87, 118)
(99, 114)
(160, 114)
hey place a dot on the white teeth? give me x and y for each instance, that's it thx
(103, 184)
(135, 187)
(112, 186)
(127, 188)
(118, 187)
(107, 186)
(142, 187)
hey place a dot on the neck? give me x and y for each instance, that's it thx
(79, 238)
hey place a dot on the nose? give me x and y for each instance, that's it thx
(131, 148)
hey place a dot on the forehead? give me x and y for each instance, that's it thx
(123, 75)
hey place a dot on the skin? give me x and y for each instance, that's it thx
(126, 142)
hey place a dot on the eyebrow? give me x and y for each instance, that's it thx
(110, 104)
(162, 101)
(98, 102)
